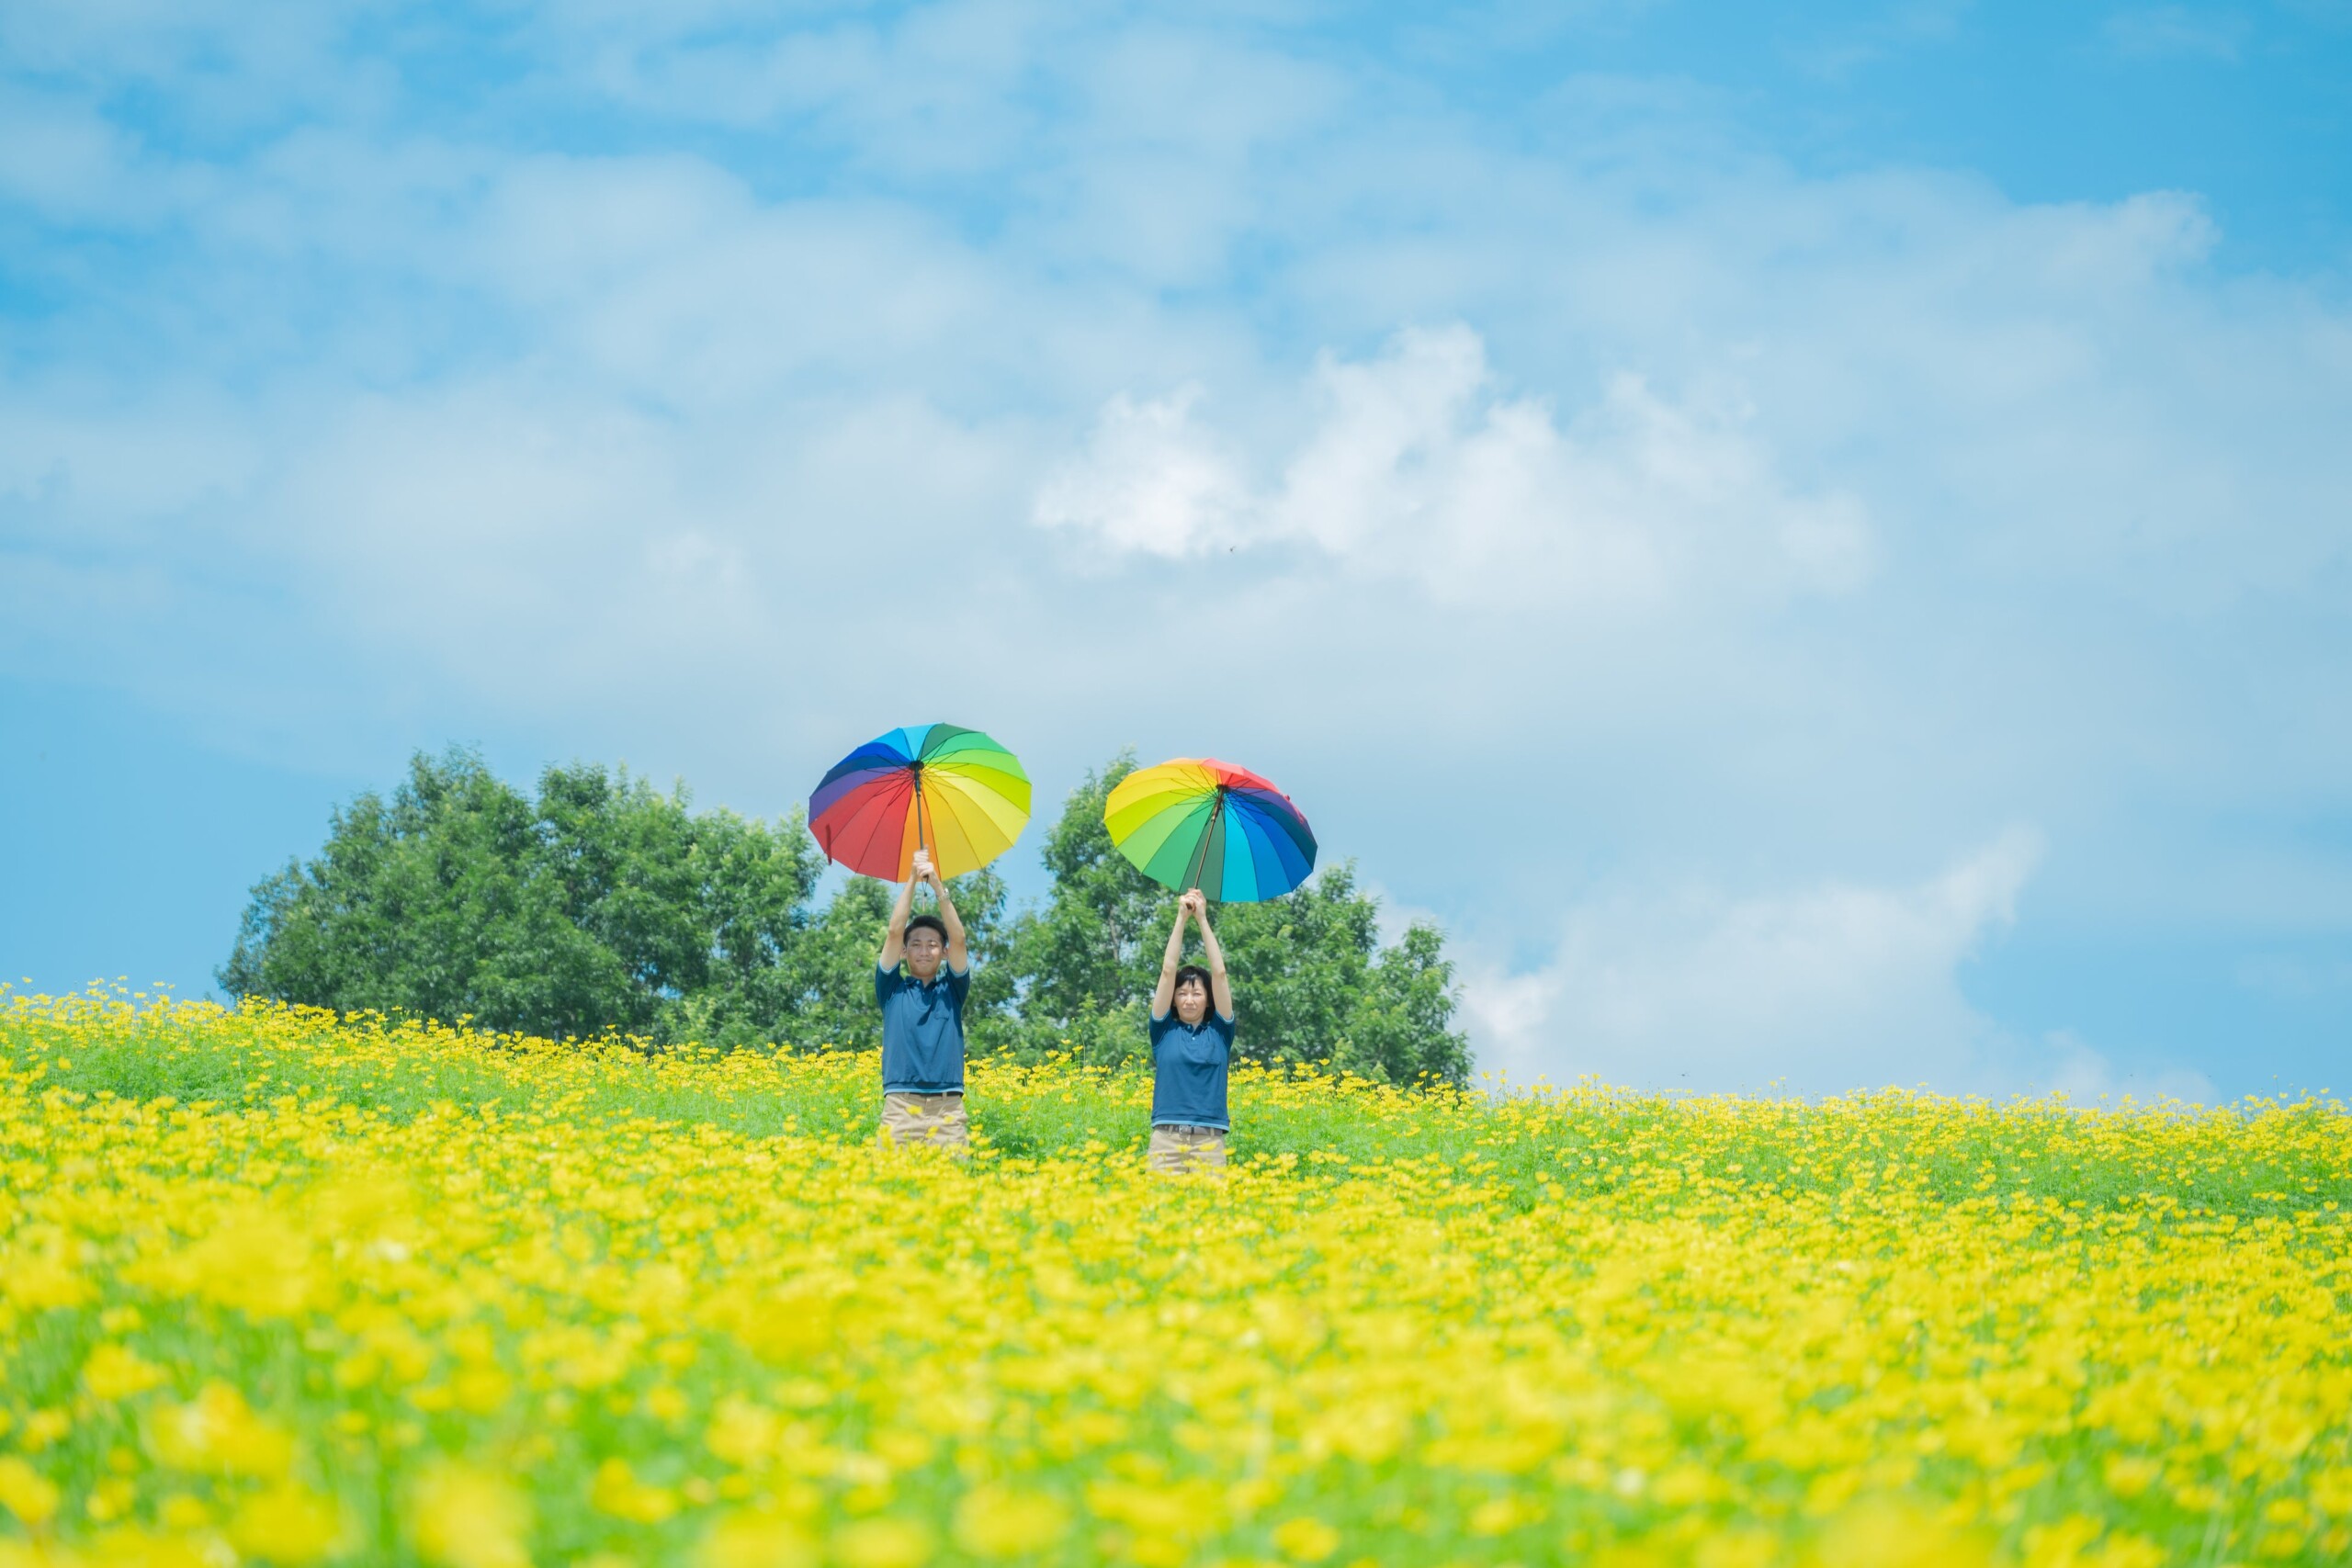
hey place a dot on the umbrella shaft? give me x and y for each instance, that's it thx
(1208, 836)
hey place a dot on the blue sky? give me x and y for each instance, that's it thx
(1816, 545)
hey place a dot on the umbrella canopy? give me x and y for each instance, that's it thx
(936, 786)
(1197, 822)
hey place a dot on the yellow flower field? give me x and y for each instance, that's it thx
(279, 1289)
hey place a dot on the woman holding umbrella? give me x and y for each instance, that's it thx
(1192, 1050)
(1208, 829)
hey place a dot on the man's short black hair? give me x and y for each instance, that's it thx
(1193, 972)
(933, 921)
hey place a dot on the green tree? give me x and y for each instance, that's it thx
(604, 905)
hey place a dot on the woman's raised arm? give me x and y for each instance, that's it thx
(1220, 988)
(1163, 995)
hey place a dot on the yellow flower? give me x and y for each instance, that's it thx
(25, 1493)
(1890, 1536)
(997, 1522)
(181, 1512)
(42, 1281)
(43, 1428)
(287, 1524)
(465, 1517)
(620, 1493)
(752, 1539)
(481, 1390)
(2128, 1475)
(742, 1433)
(882, 1543)
(1305, 1538)
(116, 1371)
(254, 1261)
(130, 1547)
(218, 1433)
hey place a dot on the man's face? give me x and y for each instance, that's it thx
(1191, 1000)
(924, 952)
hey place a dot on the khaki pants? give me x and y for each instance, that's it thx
(1182, 1150)
(936, 1119)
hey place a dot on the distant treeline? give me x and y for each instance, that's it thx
(607, 906)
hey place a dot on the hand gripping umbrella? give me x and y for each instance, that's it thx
(935, 787)
(1206, 824)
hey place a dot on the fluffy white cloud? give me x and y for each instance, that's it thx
(1420, 465)
(1152, 481)
(1835, 987)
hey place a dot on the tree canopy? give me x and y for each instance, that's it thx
(603, 905)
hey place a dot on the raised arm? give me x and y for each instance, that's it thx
(894, 941)
(1220, 989)
(959, 956)
(1163, 995)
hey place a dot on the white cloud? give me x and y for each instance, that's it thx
(1832, 988)
(1152, 481)
(1419, 466)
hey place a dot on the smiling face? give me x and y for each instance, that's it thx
(1191, 1000)
(925, 950)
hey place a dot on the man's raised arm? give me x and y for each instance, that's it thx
(894, 941)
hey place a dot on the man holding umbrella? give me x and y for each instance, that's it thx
(923, 1017)
(904, 804)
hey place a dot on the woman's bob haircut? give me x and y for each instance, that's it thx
(1193, 972)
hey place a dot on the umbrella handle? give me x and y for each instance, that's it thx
(923, 845)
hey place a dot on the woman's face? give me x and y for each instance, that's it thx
(1192, 999)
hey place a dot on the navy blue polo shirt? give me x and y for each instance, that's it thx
(1189, 1064)
(922, 1030)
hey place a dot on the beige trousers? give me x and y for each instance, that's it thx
(937, 1119)
(1182, 1150)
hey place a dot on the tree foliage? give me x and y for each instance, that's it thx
(604, 905)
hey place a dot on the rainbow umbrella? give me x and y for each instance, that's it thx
(1206, 824)
(936, 786)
